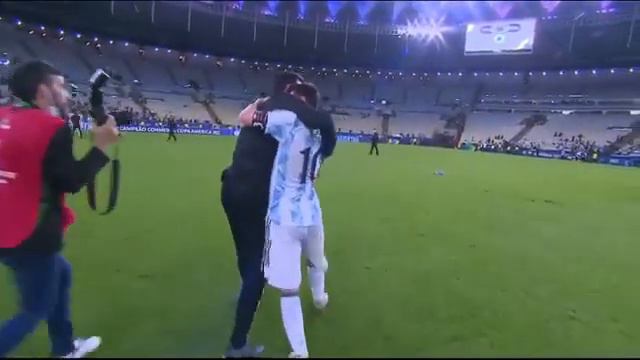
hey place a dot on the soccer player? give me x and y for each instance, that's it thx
(374, 143)
(245, 197)
(37, 168)
(294, 219)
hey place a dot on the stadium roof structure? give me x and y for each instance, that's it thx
(408, 35)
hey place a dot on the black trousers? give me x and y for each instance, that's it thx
(78, 129)
(246, 211)
(172, 135)
(374, 146)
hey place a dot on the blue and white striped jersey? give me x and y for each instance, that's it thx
(292, 198)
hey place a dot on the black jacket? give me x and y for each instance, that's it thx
(75, 120)
(62, 173)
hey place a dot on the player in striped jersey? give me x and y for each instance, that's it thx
(294, 223)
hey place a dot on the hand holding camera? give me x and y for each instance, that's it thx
(106, 134)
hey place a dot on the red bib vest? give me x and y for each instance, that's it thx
(25, 134)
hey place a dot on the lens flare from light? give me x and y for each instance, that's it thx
(430, 30)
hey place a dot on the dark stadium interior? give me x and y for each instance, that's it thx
(203, 61)
(600, 39)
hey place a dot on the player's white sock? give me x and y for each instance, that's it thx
(294, 323)
(316, 281)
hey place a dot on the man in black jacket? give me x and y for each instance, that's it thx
(245, 196)
(75, 122)
(172, 129)
(41, 273)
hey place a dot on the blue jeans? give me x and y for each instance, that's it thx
(44, 283)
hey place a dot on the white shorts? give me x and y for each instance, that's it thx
(285, 245)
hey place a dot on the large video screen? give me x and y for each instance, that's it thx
(505, 37)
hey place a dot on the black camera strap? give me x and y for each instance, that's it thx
(114, 187)
(97, 108)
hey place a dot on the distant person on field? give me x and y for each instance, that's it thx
(172, 129)
(374, 143)
(75, 122)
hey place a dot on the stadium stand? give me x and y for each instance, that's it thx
(496, 103)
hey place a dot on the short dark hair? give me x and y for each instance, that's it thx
(285, 79)
(26, 78)
(307, 90)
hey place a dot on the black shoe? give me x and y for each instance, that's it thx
(248, 351)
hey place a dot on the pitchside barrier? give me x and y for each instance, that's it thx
(620, 160)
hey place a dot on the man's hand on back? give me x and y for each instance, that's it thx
(260, 102)
(253, 114)
(246, 116)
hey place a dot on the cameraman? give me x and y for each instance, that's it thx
(37, 168)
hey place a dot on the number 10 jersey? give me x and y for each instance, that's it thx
(292, 196)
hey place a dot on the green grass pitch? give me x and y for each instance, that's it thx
(501, 256)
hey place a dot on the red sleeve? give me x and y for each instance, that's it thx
(68, 216)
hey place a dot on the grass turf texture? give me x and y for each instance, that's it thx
(502, 256)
